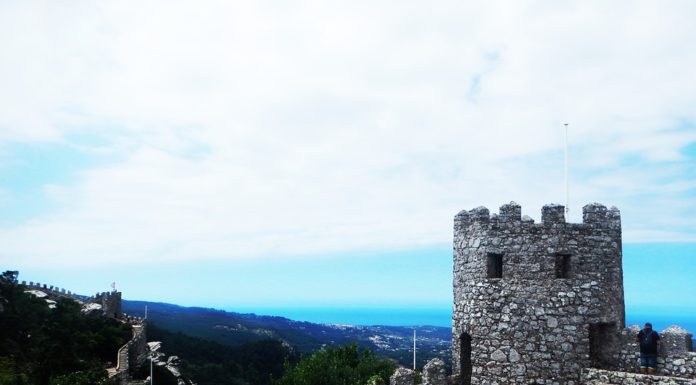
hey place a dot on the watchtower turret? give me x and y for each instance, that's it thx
(534, 301)
(110, 302)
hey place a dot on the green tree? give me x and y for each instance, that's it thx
(10, 276)
(346, 365)
(208, 362)
(94, 376)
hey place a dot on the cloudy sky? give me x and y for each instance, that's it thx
(233, 143)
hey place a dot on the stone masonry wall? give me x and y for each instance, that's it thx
(137, 350)
(434, 373)
(531, 324)
(55, 290)
(128, 355)
(110, 302)
(605, 377)
(674, 358)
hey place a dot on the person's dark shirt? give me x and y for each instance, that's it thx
(648, 338)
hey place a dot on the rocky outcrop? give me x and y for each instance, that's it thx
(92, 308)
(40, 294)
(434, 372)
(402, 376)
(171, 363)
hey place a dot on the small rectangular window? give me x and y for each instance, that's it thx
(562, 265)
(495, 265)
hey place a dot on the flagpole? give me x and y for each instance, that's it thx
(565, 161)
(414, 349)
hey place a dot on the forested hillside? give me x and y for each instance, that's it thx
(210, 363)
(236, 329)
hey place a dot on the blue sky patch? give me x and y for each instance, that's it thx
(26, 169)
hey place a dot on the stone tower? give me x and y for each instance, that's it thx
(535, 303)
(110, 302)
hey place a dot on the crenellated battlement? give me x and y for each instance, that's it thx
(594, 214)
(57, 291)
(524, 250)
(109, 301)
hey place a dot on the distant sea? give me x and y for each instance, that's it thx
(661, 321)
(401, 316)
(414, 316)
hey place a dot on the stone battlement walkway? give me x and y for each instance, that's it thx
(606, 377)
(120, 373)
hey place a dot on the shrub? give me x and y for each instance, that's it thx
(345, 365)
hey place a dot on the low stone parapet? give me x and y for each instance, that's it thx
(434, 373)
(674, 358)
(682, 365)
(606, 377)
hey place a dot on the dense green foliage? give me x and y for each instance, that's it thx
(43, 346)
(94, 376)
(345, 365)
(211, 363)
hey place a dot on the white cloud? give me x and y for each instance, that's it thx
(285, 129)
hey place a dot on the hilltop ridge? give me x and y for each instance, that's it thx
(235, 329)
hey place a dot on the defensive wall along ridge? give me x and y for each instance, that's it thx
(107, 304)
(129, 356)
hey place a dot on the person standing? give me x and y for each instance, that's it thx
(648, 339)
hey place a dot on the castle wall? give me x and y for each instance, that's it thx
(675, 357)
(605, 377)
(56, 291)
(110, 302)
(128, 356)
(530, 324)
(137, 350)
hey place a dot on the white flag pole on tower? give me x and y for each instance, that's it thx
(414, 349)
(565, 158)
